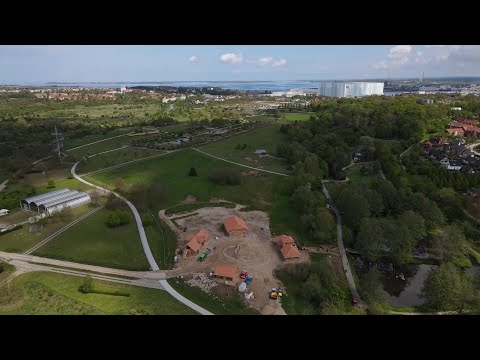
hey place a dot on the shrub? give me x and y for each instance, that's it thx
(117, 218)
(87, 285)
(226, 177)
(147, 220)
(51, 183)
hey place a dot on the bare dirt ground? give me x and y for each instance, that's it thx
(254, 253)
(38, 179)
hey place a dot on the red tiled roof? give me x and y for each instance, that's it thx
(202, 235)
(227, 271)
(234, 223)
(193, 245)
(455, 130)
(282, 240)
(290, 252)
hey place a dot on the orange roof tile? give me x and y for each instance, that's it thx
(227, 271)
(190, 237)
(202, 235)
(290, 252)
(234, 223)
(283, 240)
(193, 245)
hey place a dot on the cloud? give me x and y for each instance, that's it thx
(231, 58)
(399, 54)
(193, 58)
(279, 62)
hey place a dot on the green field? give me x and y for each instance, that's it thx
(49, 293)
(265, 138)
(217, 306)
(92, 242)
(71, 143)
(185, 208)
(353, 173)
(163, 242)
(7, 270)
(22, 239)
(296, 116)
(101, 146)
(171, 171)
(114, 158)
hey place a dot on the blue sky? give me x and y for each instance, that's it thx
(42, 63)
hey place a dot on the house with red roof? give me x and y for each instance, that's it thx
(235, 226)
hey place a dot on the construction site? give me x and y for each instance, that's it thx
(224, 251)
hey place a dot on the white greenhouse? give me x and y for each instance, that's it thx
(55, 201)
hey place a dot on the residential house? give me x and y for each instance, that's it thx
(234, 225)
(454, 165)
(289, 252)
(456, 131)
(226, 272)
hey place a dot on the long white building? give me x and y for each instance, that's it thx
(350, 89)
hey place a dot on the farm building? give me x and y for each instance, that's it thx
(283, 240)
(226, 272)
(55, 201)
(290, 251)
(193, 246)
(201, 236)
(235, 226)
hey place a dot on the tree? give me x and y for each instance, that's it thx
(370, 238)
(121, 185)
(51, 183)
(372, 288)
(87, 285)
(192, 172)
(146, 220)
(447, 288)
(375, 202)
(415, 223)
(449, 241)
(95, 196)
(320, 225)
(354, 207)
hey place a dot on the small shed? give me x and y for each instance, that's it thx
(261, 152)
(235, 226)
(290, 251)
(193, 246)
(4, 212)
(282, 240)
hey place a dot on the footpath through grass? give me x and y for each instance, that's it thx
(92, 242)
(241, 148)
(214, 304)
(42, 293)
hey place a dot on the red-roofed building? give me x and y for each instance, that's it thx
(282, 240)
(471, 130)
(235, 226)
(194, 246)
(195, 241)
(471, 122)
(290, 251)
(226, 272)
(456, 131)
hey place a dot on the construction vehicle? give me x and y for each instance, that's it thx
(202, 257)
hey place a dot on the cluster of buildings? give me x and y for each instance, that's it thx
(453, 155)
(463, 127)
(350, 89)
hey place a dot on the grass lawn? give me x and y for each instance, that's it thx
(214, 304)
(171, 171)
(43, 293)
(185, 208)
(92, 242)
(265, 138)
(7, 270)
(105, 146)
(162, 241)
(356, 176)
(114, 158)
(71, 143)
(297, 116)
(22, 239)
(61, 176)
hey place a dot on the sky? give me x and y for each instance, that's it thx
(24, 64)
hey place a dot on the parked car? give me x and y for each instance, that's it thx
(243, 275)
(249, 280)
(202, 257)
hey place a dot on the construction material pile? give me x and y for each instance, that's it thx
(202, 281)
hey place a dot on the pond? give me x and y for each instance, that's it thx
(404, 284)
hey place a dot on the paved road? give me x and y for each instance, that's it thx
(146, 247)
(474, 145)
(66, 227)
(341, 248)
(236, 163)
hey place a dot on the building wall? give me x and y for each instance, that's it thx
(349, 89)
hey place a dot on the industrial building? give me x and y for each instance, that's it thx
(350, 89)
(55, 201)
